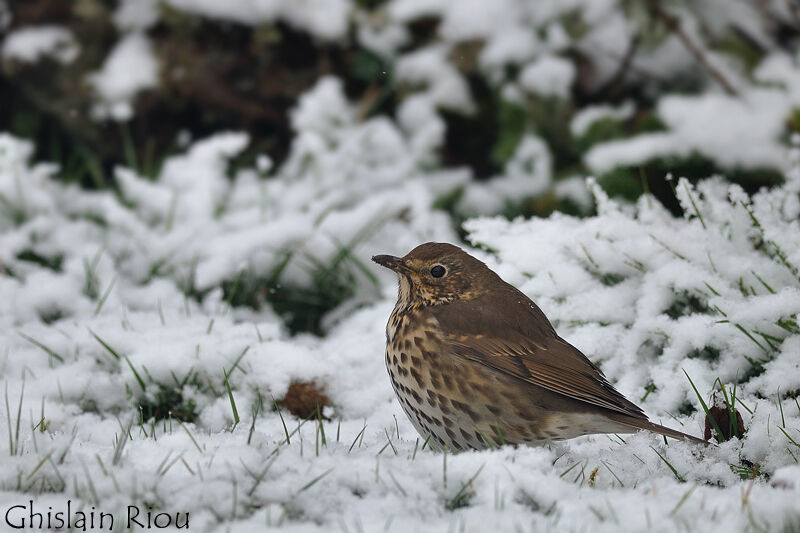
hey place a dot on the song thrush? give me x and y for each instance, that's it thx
(475, 363)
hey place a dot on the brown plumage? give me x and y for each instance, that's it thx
(475, 363)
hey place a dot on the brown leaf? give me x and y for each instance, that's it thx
(303, 398)
(722, 417)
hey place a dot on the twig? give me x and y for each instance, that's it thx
(672, 22)
(624, 66)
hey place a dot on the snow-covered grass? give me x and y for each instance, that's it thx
(149, 331)
(131, 378)
(719, 94)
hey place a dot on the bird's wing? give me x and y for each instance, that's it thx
(519, 341)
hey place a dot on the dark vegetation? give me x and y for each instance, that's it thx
(216, 75)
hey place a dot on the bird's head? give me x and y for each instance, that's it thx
(435, 273)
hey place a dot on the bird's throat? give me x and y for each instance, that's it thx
(405, 295)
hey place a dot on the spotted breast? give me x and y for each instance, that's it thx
(456, 404)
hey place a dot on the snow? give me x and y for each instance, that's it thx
(129, 68)
(407, 10)
(514, 46)
(780, 69)
(327, 19)
(137, 15)
(527, 174)
(474, 19)
(734, 132)
(583, 119)
(370, 472)
(743, 131)
(383, 37)
(114, 299)
(442, 83)
(606, 42)
(548, 76)
(31, 43)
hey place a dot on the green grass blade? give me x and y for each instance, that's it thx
(720, 436)
(280, 414)
(315, 480)
(230, 398)
(103, 298)
(136, 374)
(105, 345)
(674, 471)
(38, 344)
(360, 433)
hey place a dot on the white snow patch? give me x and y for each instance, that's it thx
(441, 82)
(129, 68)
(136, 15)
(31, 43)
(528, 173)
(583, 119)
(734, 132)
(608, 282)
(473, 19)
(514, 46)
(548, 76)
(327, 19)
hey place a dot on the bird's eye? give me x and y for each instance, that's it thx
(438, 271)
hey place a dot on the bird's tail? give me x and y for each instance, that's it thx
(635, 423)
(657, 428)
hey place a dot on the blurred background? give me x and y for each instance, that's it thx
(501, 108)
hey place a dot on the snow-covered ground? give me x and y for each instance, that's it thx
(119, 304)
(96, 321)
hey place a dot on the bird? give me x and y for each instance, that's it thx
(476, 364)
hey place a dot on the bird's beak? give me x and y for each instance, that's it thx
(391, 262)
